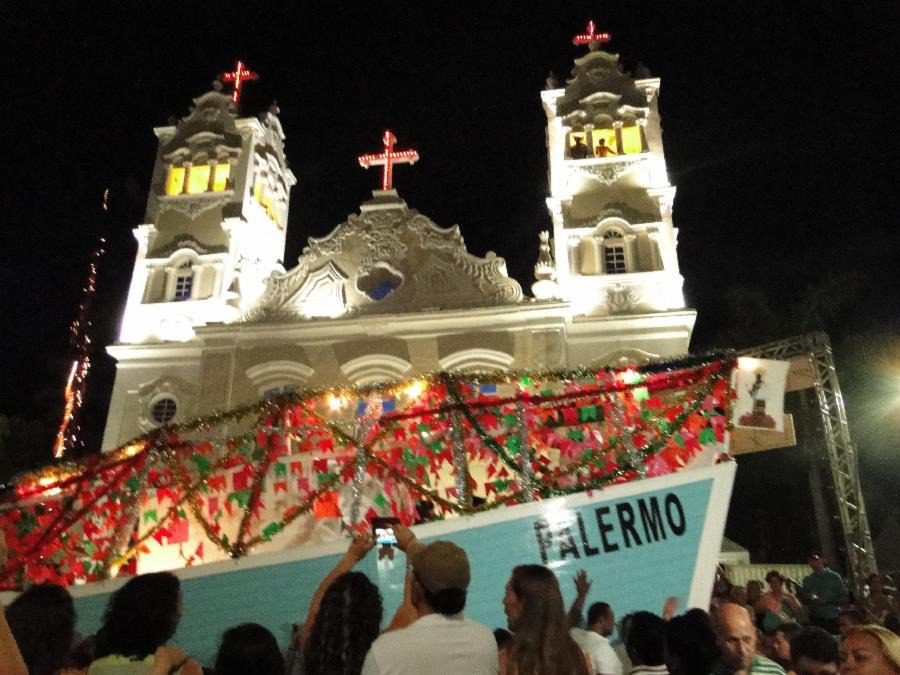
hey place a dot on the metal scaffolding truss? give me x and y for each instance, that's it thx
(841, 453)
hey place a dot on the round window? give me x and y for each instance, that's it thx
(163, 410)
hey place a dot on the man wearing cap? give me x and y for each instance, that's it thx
(824, 591)
(441, 639)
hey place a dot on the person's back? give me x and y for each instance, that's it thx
(441, 640)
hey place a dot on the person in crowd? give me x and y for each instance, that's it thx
(601, 623)
(870, 650)
(814, 652)
(690, 644)
(249, 649)
(850, 618)
(892, 622)
(781, 643)
(11, 660)
(721, 590)
(737, 636)
(579, 150)
(645, 643)
(738, 596)
(344, 616)
(441, 639)
(140, 618)
(536, 615)
(42, 620)
(824, 591)
(777, 606)
(877, 604)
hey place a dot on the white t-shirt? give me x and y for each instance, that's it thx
(603, 656)
(434, 644)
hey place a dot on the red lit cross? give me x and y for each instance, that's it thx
(388, 158)
(591, 38)
(238, 76)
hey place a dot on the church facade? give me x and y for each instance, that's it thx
(213, 320)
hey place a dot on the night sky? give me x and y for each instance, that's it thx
(778, 120)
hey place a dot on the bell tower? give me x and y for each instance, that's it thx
(215, 222)
(610, 198)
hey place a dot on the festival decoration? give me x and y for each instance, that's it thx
(238, 76)
(454, 443)
(67, 437)
(388, 158)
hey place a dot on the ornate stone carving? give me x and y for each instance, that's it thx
(621, 299)
(609, 172)
(193, 205)
(400, 260)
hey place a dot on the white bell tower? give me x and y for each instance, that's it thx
(215, 222)
(610, 199)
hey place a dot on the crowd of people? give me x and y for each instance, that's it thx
(745, 631)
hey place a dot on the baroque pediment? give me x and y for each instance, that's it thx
(385, 260)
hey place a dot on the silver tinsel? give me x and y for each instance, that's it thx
(361, 428)
(526, 472)
(460, 461)
(632, 456)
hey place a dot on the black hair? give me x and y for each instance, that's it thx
(646, 639)
(789, 629)
(774, 574)
(141, 616)
(892, 622)
(249, 649)
(448, 601)
(597, 611)
(690, 644)
(347, 624)
(502, 637)
(816, 644)
(855, 615)
(42, 621)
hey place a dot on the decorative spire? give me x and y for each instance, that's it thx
(239, 75)
(545, 286)
(388, 158)
(591, 38)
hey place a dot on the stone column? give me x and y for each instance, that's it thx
(642, 127)
(620, 146)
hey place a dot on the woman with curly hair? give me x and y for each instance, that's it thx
(537, 617)
(140, 618)
(344, 617)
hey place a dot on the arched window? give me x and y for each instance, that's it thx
(184, 281)
(614, 260)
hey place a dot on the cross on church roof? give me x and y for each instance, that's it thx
(238, 76)
(590, 38)
(388, 158)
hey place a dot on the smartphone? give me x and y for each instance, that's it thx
(383, 531)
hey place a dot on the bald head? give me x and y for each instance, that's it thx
(736, 635)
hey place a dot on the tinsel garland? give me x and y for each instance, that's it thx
(81, 521)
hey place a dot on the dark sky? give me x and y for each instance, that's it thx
(779, 129)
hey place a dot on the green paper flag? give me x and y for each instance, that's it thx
(271, 530)
(588, 413)
(381, 500)
(510, 420)
(576, 435)
(133, 484)
(150, 515)
(280, 469)
(202, 464)
(707, 436)
(514, 444)
(242, 497)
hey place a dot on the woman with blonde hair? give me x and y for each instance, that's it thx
(870, 650)
(536, 615)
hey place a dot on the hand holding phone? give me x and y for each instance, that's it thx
(383, 531)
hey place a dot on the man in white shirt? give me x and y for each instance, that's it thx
(441, 639)
(600, 625)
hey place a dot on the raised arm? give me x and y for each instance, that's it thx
(582, 588)
(406, 613)
(359, 547)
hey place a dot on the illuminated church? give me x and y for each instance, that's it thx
(213, 319)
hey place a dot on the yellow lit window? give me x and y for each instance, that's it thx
(220, 182)
(258, 190)
(175, 180)
(603, 143)
(631, 139)
(198, 180)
